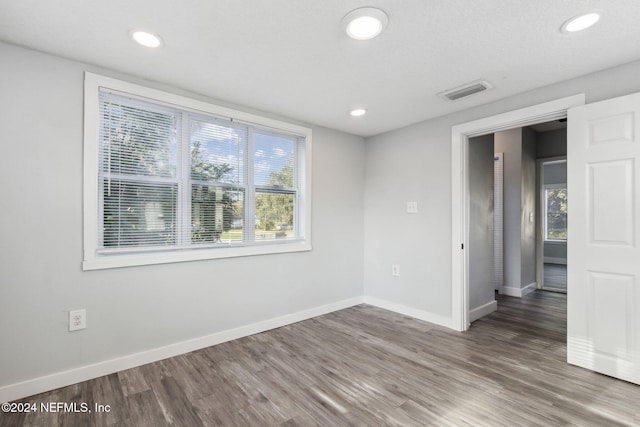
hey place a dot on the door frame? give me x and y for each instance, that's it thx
(460, 134)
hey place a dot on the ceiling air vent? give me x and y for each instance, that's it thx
(466, 90)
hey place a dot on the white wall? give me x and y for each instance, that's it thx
(414, 163)
(131, 310)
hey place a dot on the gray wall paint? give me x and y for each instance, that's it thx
(509, 142)
(528, 209)
(555, 173)
(551, 144)
(519, 148)
(134, 309)
(409, 164)
(481, 273)
(415, 163)
(555, 252)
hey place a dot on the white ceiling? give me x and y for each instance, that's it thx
(291, 57)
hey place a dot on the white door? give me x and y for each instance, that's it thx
(603, 312)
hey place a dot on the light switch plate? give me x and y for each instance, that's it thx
(395, 270)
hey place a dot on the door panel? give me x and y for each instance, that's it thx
(609, 315)
(611, 184)
(603, 304)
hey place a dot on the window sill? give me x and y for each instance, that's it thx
(101, 262)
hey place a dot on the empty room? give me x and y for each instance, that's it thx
(320, 213)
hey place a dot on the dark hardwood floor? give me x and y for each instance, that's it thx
(368, 367)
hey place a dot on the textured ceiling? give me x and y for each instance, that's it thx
(291, 57)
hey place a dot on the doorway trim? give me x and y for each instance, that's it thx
(460, 134)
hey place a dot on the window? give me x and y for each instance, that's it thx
(169, 179)
(555, 219)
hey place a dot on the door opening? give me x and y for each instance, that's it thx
(506, 221)
(553, 204)
(549, 111)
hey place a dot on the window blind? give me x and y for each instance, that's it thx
(137, 178)
(172, 178)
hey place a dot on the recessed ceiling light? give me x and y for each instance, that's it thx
(365, 23)
(358, 112)
(146, 39)
(580, 23)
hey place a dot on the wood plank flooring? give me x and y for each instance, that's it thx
(365, 366)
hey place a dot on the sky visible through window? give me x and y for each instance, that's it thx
(272, 155)
(174, 175)
(219, 145)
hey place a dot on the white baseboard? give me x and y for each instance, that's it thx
(513, 291)
(551, 260)
(83, 373)
(531, 287)
(482, 311)
(408, 311)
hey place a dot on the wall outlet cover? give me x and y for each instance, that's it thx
(77, 319)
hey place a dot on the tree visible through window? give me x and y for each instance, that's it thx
(556, 213)
(216, 172)
(155, 195)
(138, 175)
(169, 178)
(275, 187)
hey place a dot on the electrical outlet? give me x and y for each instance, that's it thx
(412, 207)
(77, 320)
(395, 270)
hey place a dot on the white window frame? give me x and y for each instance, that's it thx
(546, 187)
(95, 259)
